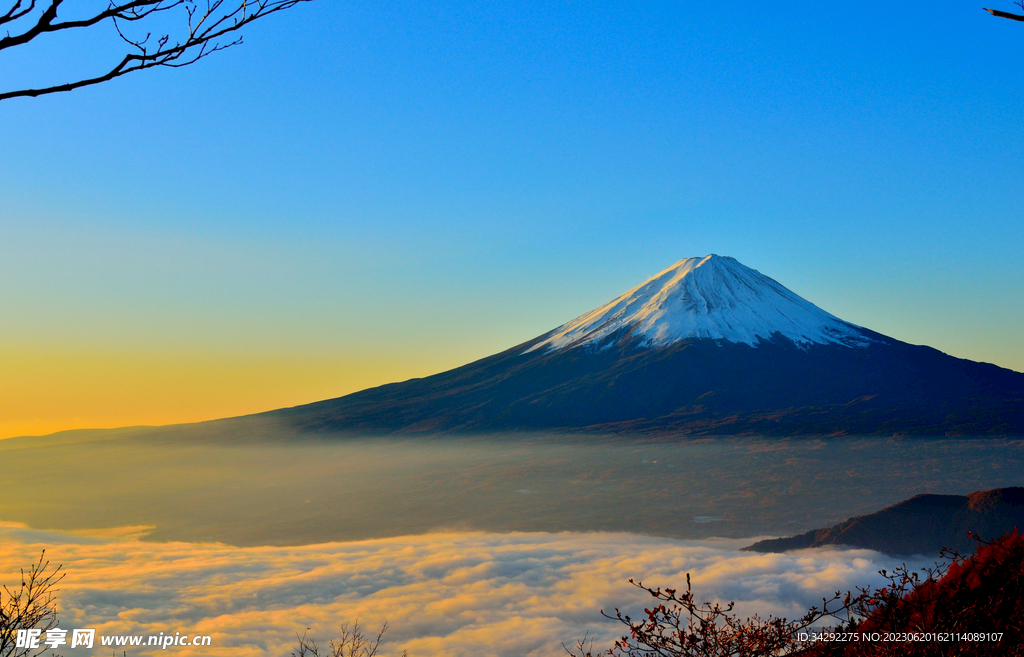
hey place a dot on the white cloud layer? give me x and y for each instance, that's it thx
(459, 594)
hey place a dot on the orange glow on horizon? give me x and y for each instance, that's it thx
(44, 391)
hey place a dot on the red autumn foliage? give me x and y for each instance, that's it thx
(974, 606)
(978, 595)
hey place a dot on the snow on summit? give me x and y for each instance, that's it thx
(712, 297)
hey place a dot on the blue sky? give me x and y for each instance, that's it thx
(365, 192)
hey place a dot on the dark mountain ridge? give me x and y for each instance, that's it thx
(924, 524)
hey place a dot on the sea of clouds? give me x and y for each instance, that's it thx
(459, 594)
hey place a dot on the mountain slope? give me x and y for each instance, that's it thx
(924, 524)
(706, 347)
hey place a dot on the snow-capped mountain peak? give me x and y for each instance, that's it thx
(712, 297)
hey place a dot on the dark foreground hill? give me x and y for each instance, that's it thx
(706, 347)
(924, 524)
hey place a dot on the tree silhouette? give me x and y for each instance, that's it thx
(187, 30)
(352, 642)
(32, 605)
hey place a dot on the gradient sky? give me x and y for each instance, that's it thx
(367, 192)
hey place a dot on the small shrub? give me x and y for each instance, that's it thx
(351, 642)
(33, 605)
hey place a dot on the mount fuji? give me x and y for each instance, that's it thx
(707, 346)
(713, 297)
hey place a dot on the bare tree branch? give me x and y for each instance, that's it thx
(136, 10)
(678, 626)
(17, 11)
(208, 27)
(31, 605)
(1003, 14)
(352, 642)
